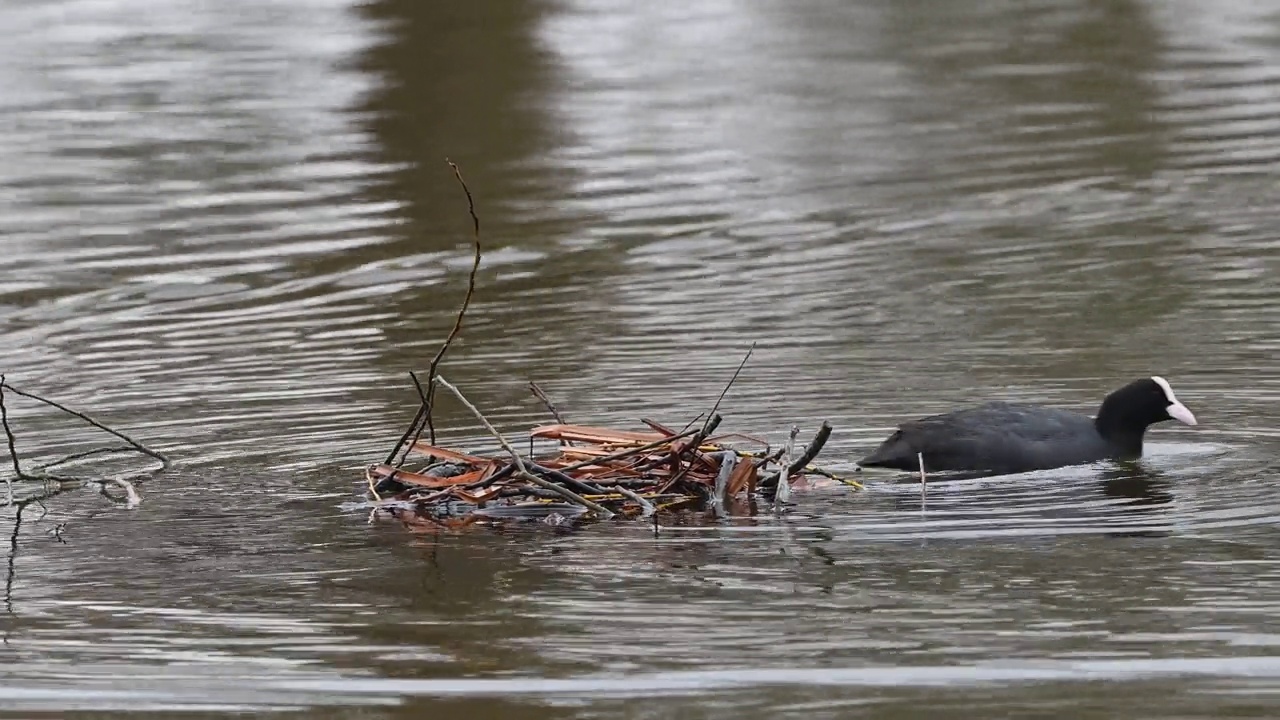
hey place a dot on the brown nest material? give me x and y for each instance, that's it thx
(596, 471)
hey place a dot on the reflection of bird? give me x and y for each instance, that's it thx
(1001, 437)
(1142, 487)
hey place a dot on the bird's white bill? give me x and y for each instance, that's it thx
(1179, 412)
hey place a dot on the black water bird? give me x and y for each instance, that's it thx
(1001, 437)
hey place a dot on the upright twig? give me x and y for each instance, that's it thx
(708, 426)
(694, 443)
(728, 461)
(783, 493)
(924, 483)
(423, 416)
(414, 429)
(551, 407)
(725, 390)
(732, 380)
(13, 444)
(466, 301)
(522, 469)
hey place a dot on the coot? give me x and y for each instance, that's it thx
(1002, 437)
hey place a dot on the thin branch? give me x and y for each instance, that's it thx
(466, 301)
(423, 416)
(373, 490)
(555, 412)
(832, 476)
(13, 443)
(523, 470)
(724, 391)
(728, 385)
(646, 507)
(471, 203)
(414, 426)
(538, 393)
(87, 453)
(134, 443)
(422, 392)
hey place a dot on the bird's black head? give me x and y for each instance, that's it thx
(1127, 412)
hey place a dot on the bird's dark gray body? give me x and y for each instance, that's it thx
(998, 437)
(1003, 437)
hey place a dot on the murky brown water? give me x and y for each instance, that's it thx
(229, 228)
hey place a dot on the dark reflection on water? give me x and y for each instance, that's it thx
(230, 230)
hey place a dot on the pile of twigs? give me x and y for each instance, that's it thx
(592, 470)
(598, 471)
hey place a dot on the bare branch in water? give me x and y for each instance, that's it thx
(783, 493)
(732, 380)
(133, 443)
(54, 483)
(924, 481)
(422, 419)
(551, 407)
(466, 301)
(725, 391)
(13, 443)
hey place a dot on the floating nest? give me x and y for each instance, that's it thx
(596, 471)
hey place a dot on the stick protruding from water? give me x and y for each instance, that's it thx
(924, 481)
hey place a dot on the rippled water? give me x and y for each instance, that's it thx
(228, 228)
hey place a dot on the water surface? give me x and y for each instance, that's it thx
(230, 230)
